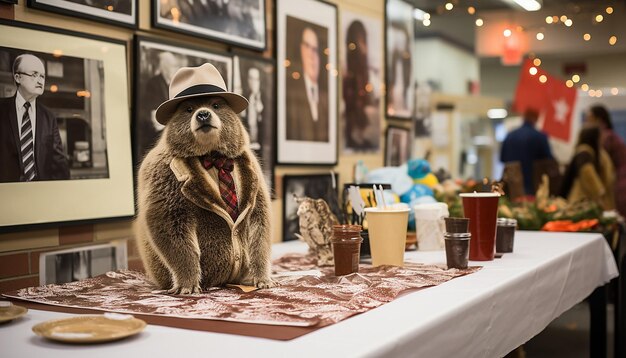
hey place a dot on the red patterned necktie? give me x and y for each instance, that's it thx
(227, 185)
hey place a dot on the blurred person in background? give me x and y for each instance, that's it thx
(616, 149)
(590, 174)
(526, 145)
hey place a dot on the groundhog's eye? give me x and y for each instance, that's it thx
(216, 106)
(189, 109)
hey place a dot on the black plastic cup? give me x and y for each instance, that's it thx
(457, 249)
(457, 225)
(505, 235)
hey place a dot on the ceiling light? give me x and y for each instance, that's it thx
(586, 37)
(599, 18)
(614, 91)
(543, 79)
(584, 87)
(471, 10)
(419, 14)
(609, 10)
(537, 62)
(539, 36)
(532, 71)
(549, 20)
(497, 113)
(479, 22)
(507, 33)
(529, 5)
(449, 6)
(576, 78)
(612, 40)
(568, 22)
(569, 83)
(426, 22)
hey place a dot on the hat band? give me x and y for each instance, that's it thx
(200, 89)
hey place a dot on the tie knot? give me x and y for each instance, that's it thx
(27, 105)
(218, 161)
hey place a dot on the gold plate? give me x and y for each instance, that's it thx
(11, 312)
(89, 329)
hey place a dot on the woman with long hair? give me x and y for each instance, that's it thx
(590, 174)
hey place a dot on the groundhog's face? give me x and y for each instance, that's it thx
(202, 125)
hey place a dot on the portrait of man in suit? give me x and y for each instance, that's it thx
(307, 85)
(30, 143)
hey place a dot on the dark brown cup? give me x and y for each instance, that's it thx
(457, 249)
(346, 243)
(505, 235)
(457, 225)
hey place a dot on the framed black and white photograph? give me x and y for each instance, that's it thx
(361, 42)
(116, 12)
(397, 146)
(306, 40)
(155, 64)
(237, 22)
(255, 79)
(65, 152)
(79, 263)
(400, 96)
(314, 186)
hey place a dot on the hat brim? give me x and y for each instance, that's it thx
(165, 111)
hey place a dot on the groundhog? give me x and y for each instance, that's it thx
(189, 237)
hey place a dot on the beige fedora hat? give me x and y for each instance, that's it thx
(202, 81)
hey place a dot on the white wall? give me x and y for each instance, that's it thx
(450, 66)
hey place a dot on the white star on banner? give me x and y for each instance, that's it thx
(560, 110)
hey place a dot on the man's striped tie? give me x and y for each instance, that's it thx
(26, 143)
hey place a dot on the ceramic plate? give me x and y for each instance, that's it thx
(90, 329)
(11, 312)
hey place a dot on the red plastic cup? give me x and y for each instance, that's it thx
(482, 210)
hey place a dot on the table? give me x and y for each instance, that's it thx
(486, 314)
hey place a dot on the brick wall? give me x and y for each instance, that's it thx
(19, 252)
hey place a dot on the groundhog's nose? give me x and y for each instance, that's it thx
(203, 117)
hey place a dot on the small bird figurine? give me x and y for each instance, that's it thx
(316, 228)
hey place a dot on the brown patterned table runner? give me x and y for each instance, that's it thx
(299, 305)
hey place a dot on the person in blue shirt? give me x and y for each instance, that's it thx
(526, 144)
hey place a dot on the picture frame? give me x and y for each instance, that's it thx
(306, 131)
(397, 146)
(240, 22)
(99, 184)
(400, 93)
(315, 186)
(116, 12)
(79, 263)
(362, 66)
(156, 61)
(254, 77)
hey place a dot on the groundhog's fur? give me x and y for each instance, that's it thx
(187, 240)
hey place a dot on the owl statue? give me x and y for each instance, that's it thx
(316, 228)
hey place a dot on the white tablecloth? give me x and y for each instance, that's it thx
(486, 314)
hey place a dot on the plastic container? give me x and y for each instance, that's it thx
(505, 235)
(457, 249)
(346, 243)
(430, 226)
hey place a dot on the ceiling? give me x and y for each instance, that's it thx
(457, 26)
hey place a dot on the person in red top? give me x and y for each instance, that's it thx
(614, 145)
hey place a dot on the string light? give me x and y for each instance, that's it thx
(609, 10)
(449, 6)
(426, 16)
(537, 62)
(426, 22)
(569, 83)
(568, 22)
(576, 78)
(543, 79)
(549, 20)
(584, 87)
(586, 37)
(614, 91)
(612, 40)
(479, 22)
(471, 10)
(532, 71)
(555, 19)
(598, 93)
(599, 18)
(540, 36)
(592, 93)
(507, 33)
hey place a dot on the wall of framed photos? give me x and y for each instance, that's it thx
(20, 249)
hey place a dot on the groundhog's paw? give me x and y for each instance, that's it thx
(265, 283)
(179, 290)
